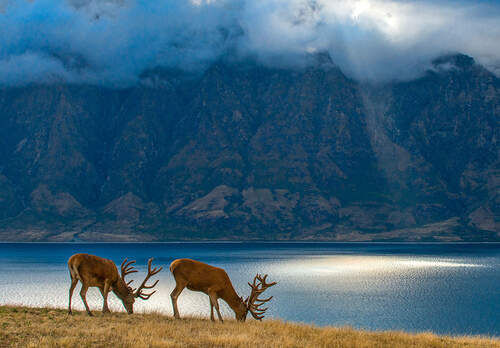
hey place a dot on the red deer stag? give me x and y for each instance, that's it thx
(102, 273)
(215, 282)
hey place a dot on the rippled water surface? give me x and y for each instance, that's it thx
(444, 288)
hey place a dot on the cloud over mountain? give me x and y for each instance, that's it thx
(114, 41)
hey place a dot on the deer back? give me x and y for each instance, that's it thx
(93, 270)
(199, 276)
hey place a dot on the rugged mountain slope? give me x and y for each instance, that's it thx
(243, 151)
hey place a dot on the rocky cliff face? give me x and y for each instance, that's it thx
(243, 151)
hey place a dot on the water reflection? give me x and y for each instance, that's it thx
(367, 264)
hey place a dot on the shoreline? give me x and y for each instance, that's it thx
(211, 241)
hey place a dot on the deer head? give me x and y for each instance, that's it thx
(131, 294)
(253, 302)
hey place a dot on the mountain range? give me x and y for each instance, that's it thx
(243, 151)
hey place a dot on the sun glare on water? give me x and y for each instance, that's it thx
(362, 264)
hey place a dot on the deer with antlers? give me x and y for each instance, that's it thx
(95, 271)
(214, 281)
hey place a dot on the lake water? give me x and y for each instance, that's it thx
(444, 288)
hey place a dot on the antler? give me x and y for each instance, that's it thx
(253, 302)
(151, 272)
(127, 268)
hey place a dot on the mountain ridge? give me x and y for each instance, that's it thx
(256, 153)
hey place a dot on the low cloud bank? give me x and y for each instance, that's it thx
(113, 41)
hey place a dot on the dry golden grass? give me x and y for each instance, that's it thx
(46, 327)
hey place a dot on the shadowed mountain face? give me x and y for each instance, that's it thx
(248, 152)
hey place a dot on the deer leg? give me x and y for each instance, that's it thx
(104, 293)
(83, 295)
(213, 299)
(174, 295)
(74, 281)
(211, 310)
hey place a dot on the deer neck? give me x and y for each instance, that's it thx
(120, 288)
(230, 296)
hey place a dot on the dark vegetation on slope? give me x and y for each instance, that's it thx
(248, 152)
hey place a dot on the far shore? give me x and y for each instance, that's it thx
(223, 241)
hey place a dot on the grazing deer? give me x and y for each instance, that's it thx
(214, 281)
(102, 273)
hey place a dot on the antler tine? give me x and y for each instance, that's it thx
(263, 300)
(154, 270)
(255, 290)
(145, 296)
(264, 284)
(127, 268)
(256, 316)
(151, 272)
(128, 263)
(257, 305)
(253, 302)
(151, 286)
(124, 261)
(260, 310)
(130, 269)
(254, 287)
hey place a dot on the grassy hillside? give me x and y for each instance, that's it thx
(46, 327)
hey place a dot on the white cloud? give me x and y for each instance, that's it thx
(113, 41)
(375, 39)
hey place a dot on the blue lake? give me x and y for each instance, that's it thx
(443, 288)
